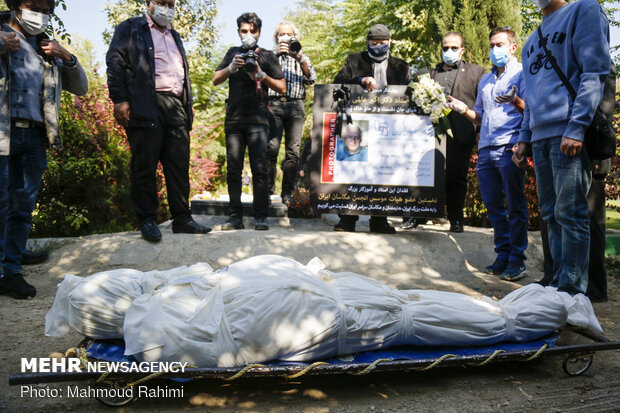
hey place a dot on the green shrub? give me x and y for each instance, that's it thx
(475, 211)
(85, 188)
(612, 182)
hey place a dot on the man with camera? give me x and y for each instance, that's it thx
(286, 111)
(148, 79)
(373, 69)
(251, 71)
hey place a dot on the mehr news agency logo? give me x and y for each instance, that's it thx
(74, 365)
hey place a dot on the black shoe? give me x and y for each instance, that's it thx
(150, 231)
(15, 286)
(260, 224)
(456, 226)
(35, 257)
(545, 280)
(189, 227)
(382, 227)
(412, 223)
(287, 199)
(232, 222)
(342, 226)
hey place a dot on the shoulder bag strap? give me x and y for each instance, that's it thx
(554, 63)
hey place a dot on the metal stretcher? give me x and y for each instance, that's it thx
(577, 360)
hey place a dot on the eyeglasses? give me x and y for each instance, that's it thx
(507, 27)
(454, 48)
(354, 138)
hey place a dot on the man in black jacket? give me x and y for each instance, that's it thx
(373, 69)
(148, 80)
(460, 80)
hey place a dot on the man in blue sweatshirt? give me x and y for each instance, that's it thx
(577, 35)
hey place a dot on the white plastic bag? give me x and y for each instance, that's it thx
(95, 306)
(271, 307)
(258, 309)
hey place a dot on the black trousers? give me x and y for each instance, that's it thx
(285, 118)
(352, 219)
(597, 276)
(255, 138)
(168, 143)
(457, 167)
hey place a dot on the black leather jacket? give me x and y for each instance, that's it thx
(131, 72)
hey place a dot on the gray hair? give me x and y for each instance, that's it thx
(277, 29)
(351, 127)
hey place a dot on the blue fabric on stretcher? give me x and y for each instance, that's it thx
(113, 350)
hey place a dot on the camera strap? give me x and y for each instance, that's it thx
(257, 80)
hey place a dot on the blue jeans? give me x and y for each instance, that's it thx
(255, 138)
(26, 163)
(563, 184)
(501, 182)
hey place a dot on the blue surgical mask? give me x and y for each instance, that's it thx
(499, 56)
(450, 56)
(378, 52)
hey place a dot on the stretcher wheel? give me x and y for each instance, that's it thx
(577, 364)
(116, 393)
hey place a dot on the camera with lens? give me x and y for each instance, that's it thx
(294, 46)
(249, 59)
(342, 94)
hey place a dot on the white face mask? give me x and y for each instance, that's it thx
(284, 39)
(248, 41)
(162, 15)
(541, 4)
(33, 22)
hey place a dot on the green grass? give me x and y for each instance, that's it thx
(613, 219)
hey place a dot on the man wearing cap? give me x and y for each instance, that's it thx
(373, 69)
(459, 80)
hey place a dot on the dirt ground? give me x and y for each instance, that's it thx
(429, 257)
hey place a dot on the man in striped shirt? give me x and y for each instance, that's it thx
(286, 111)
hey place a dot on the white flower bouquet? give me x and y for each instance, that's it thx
(429, 98)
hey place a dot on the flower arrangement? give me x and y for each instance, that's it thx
(428, 97)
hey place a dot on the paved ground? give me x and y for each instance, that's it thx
(429, 257)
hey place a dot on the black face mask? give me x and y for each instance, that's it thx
(379, 50)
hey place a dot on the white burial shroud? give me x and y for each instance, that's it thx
(274, 308)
